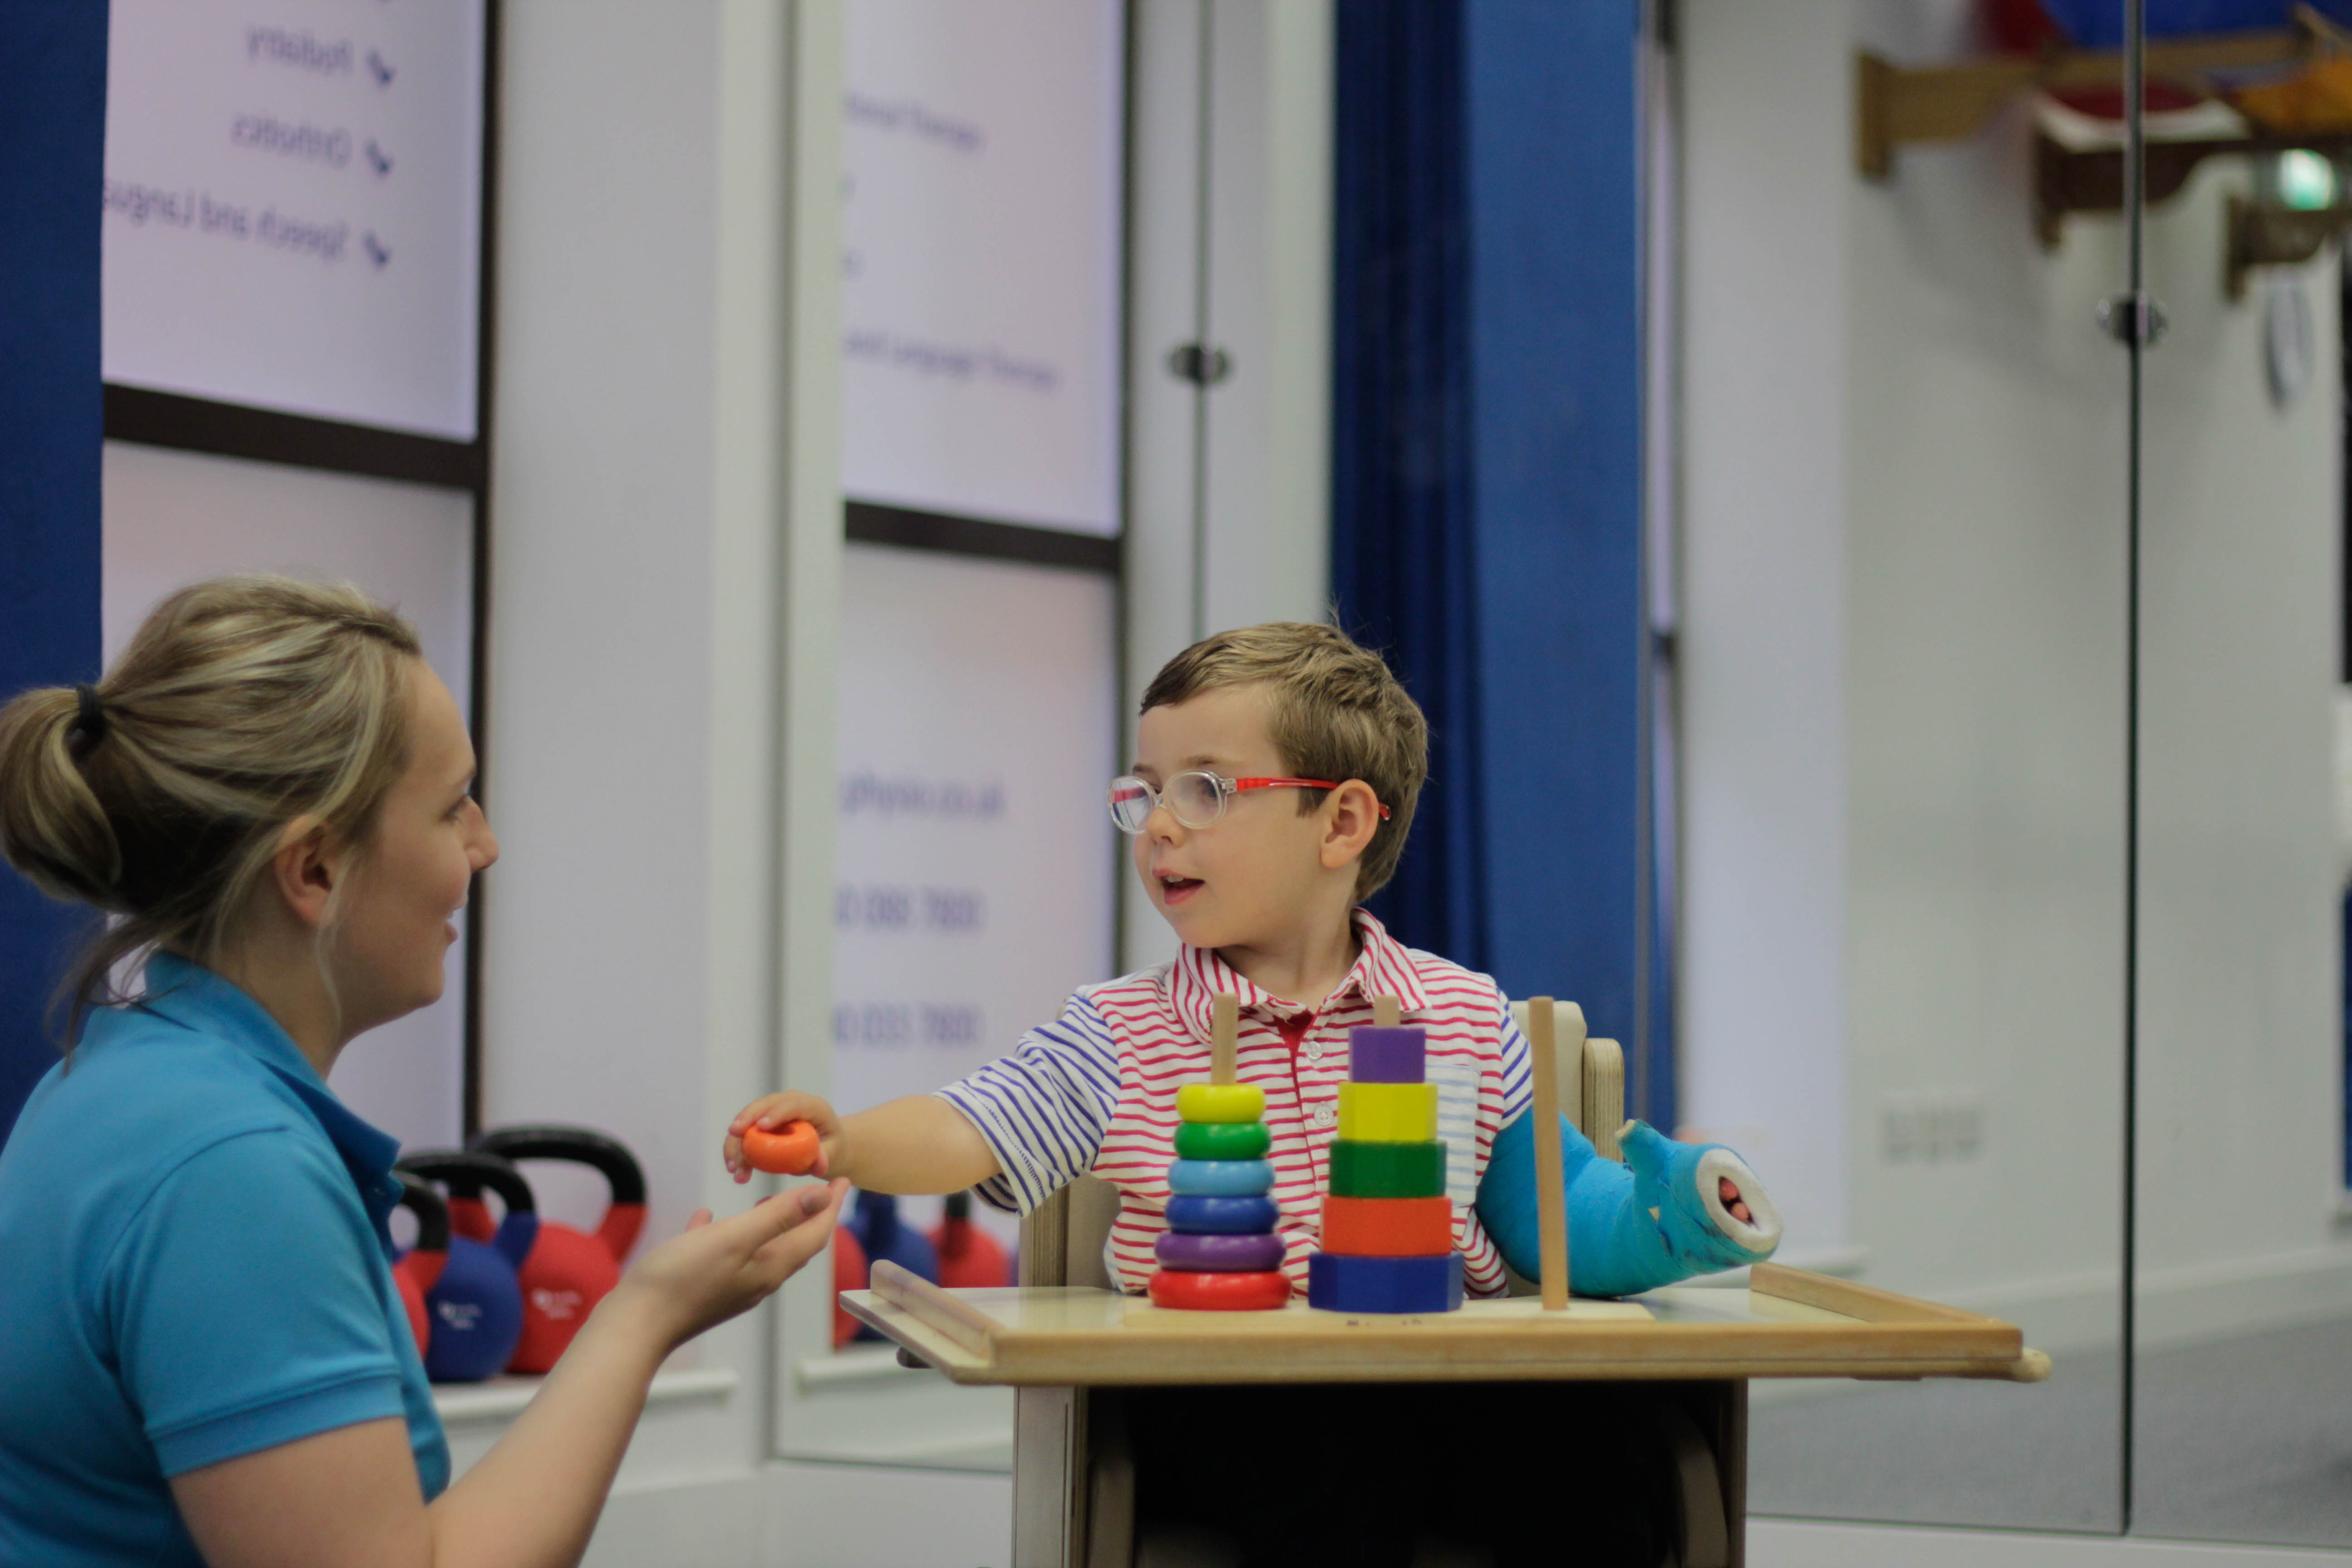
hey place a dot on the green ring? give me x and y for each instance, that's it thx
(1388, 1170)
(1222, 1141)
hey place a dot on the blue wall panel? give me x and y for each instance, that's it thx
(52, 141)
(1486, 452)
(1555, 351)
(1403, 494)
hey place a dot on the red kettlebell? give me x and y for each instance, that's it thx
(419, 1267)
(968, 1255)
(568, 1271)
(849, 1274)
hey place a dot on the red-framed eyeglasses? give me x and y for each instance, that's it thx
(1196, 799)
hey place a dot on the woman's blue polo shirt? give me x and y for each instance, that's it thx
(193, 1266)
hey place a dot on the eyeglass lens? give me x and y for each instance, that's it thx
(1193, 798)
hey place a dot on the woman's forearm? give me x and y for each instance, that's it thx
(917, 1144)
(532, 1501)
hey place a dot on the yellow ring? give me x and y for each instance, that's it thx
(1221, 1103)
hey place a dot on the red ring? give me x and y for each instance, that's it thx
(1221, 1292)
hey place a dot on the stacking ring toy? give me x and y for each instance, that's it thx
(790, 1150)
(1219, 1292)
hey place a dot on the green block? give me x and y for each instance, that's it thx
(1388, 1170)
(1222, 1141)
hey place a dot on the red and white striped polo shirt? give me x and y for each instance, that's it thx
(1094, 1093)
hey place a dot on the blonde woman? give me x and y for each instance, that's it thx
(203, 1357)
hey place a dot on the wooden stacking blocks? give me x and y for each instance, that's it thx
(1388, 1226)
(1221, 1252)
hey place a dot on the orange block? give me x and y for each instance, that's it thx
(1388, 1228)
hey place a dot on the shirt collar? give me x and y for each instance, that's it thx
(1383, 968)
(189, 995)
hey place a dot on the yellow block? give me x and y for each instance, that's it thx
(1220, 1102)
(1388, 1112)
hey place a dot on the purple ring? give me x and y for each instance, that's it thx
(1391, 1054)
(1219, 1253)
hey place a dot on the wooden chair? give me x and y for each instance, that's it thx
(1063, 1242)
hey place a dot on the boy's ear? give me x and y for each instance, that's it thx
(1352, 815)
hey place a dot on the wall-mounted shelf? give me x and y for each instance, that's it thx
(1895, 106)
(2091, 180)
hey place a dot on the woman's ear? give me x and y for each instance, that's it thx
(1352, 815)
(306, 870)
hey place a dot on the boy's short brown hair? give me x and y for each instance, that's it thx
(1337, 714)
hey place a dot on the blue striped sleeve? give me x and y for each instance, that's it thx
(1517, 1065)
(1046, 1108)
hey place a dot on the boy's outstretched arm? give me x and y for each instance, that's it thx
(917, 1144)
(1661, 1216)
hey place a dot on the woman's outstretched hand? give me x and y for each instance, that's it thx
(719, 1267)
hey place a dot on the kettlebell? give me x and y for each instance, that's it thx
(419, 1269)
(569, 1271)
(477, 1304)
(876, 1226)
(849, 1274)
(968, 1255)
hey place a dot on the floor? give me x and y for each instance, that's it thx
(2247, 1439)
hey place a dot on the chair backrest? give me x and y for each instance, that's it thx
(1063, 1238)
(1591, 1086)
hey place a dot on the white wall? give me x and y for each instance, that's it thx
(1904, 537)
(2241, 1022)
(642, 528)
(1241, 474)
(1762, 992)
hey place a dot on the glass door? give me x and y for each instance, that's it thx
(1904, 591)
(2243, 1254)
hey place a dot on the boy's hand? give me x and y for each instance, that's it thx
(772, 1111)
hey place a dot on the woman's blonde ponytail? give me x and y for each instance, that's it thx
(159, 795)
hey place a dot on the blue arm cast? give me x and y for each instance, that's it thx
(1632, 1226)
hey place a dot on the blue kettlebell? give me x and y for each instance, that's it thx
(876, 1226)
(477, 1304)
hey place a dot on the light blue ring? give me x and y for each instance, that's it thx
(1221, 1178)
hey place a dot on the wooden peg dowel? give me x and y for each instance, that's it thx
(1387, 1012)
(1224, 1038)
(1551, 1192)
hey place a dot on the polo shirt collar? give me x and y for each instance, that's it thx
(1383, 968)
(189, 995)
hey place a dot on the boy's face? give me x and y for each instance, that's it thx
(1258, 874)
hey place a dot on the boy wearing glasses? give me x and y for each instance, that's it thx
(1275, 772)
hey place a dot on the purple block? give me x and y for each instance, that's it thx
(1386, 1055)
(1219, 1253)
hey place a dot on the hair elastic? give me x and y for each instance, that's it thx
(89, 727)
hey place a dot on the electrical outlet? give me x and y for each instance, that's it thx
(1932, 1127)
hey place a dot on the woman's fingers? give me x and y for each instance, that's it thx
(783, 1253)
(1732, 1203)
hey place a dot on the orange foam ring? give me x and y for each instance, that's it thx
(1388, 1228)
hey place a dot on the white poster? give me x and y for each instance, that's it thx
(980, 178)
(975, 854)
(293, 206)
